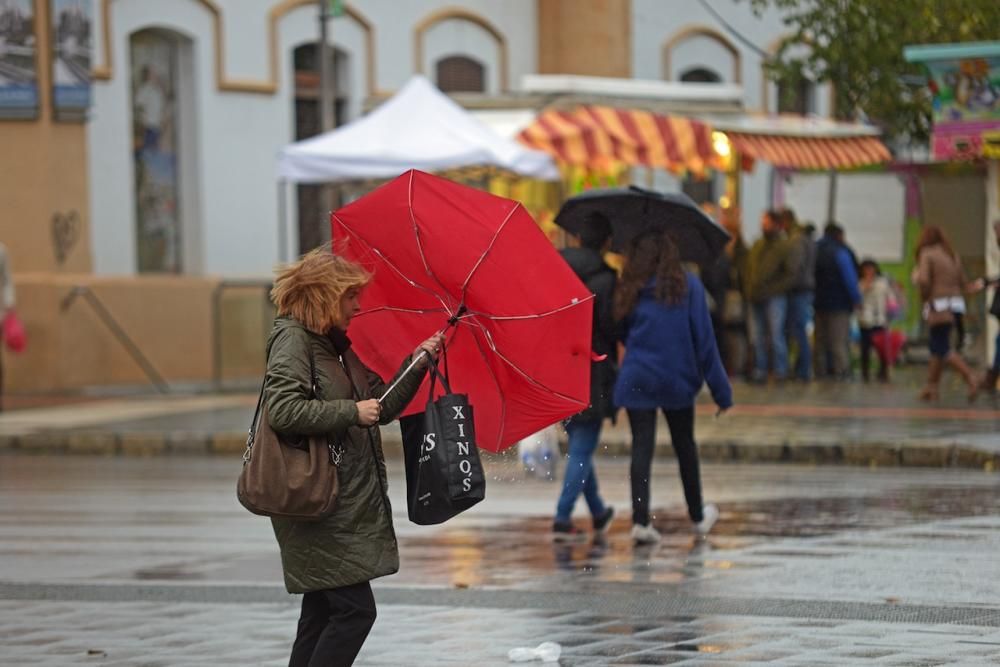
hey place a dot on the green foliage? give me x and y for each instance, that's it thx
(857, 45)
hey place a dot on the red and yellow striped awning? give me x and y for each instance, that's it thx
(596, 137)
(798, 152)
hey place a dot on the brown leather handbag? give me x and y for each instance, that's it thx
(280, 478)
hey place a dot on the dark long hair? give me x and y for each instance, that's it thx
(932, 235)
(650, 255)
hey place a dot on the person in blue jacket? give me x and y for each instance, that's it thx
(670, 352)
(837, 295)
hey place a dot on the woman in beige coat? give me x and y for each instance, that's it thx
(942, 285)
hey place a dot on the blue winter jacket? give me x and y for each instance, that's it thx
(670, 351)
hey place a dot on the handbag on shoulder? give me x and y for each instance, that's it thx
(444, 475)
(282, 478)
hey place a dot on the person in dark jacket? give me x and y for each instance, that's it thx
(670, 352)
(331, 561)
(837, 295)
(584, 429)
(770, 275)
(802, 257)
(723, 280)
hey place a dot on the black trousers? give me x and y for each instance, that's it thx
(867, 333)
(681, 423)
(333, 626)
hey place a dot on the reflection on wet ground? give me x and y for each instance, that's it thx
(510, 554)
(154, 562)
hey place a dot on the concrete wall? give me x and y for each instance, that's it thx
(592, 38)
(169, 318)
(43, 176)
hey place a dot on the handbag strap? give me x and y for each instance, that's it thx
(437, 375)
(251, 432)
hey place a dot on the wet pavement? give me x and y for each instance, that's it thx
(151, 561)
(821, 423)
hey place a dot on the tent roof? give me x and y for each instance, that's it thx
(418, 128)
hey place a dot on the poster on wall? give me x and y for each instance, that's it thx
(18, 71)
(966, 107)
(72, 42)
(154, 151)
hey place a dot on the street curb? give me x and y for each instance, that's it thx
(863, 454)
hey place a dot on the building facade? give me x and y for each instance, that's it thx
(193, 98)
(162, 185)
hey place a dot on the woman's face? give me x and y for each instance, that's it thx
(350, 305)
(867, 272)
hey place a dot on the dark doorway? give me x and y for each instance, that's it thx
(314, 227)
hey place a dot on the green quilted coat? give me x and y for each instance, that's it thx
(357, 542)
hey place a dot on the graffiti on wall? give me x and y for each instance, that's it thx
(65, 234)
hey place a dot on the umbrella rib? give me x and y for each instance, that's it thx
(502, 318)
(420, 245)
(394, 309)
(393, 266)
(488, 248)
(520, 371)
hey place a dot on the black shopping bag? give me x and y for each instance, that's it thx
(444, 476)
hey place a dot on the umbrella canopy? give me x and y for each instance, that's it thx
(632, 210)
(445, 253)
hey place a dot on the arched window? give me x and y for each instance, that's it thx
(460, 74)
(160, 85)
(700, 75)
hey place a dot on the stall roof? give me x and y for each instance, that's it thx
(595, 136)
(803, 142)
(925, 52)
(418, 128)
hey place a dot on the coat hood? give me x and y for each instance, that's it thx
(585, 262)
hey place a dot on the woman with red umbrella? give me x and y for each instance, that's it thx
(316, 385)
(670, 352)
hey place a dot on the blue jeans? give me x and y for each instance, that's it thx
(580, 474)
(799, 313)
(769, 325)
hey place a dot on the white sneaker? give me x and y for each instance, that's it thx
(710, 514)
(644, 534)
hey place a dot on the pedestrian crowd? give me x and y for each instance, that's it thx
(766, 298)
(787, 308)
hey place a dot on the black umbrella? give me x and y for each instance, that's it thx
(633, 210)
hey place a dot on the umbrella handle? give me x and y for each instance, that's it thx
(409, 368)
(413, 363)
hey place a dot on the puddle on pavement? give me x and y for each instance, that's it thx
(520, 553)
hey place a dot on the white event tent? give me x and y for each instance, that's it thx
(417, 128)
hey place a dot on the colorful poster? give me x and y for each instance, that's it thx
(72, 42)
(154, 150)
(18, 69)
(965, 90)
(966, 107)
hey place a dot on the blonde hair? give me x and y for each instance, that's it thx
(310, 289)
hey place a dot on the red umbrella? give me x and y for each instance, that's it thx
(446, 254)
